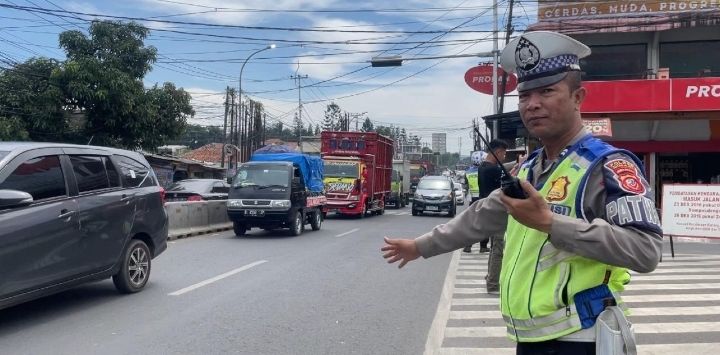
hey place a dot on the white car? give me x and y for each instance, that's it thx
(459, 196)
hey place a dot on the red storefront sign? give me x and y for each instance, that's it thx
(479, 78)
(688, 94)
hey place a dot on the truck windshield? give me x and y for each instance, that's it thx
(262, 176)
(341, 169)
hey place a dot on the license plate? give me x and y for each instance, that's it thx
(432, 208)
(254, 213)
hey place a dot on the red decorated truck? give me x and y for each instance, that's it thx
(358, 172)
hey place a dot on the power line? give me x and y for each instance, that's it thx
(390, 10)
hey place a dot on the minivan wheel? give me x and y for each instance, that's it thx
(239, 229)
(298, 224)
(134, 271)
(316, 221)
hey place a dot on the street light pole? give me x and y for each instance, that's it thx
(241, 112)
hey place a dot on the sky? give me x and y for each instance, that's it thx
(202, 45)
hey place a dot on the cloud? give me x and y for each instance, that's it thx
(230, 13)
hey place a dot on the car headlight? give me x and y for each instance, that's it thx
(417, 196)
(234, 203)
(447, 197)
(280, 203)
(354, 197)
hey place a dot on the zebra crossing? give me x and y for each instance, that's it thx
(675, 309)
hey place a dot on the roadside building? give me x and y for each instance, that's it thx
(653, 82)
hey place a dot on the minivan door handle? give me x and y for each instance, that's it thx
(65, 213)
(126, 198)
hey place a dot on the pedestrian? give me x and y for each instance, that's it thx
(587, 219)
(477, 159)
(490, 174)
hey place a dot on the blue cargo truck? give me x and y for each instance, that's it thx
(277, 188)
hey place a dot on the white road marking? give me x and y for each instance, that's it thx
(640, 328)
(216, 278)
(348, 232)
(437, 329)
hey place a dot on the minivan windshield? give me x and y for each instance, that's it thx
(341, 169)
(434, 185)
(262, 176)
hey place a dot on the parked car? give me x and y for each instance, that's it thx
(74, 214)
(459, 195)
(198, 190)
(434, 194)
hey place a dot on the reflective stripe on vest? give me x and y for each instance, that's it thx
(562, 319)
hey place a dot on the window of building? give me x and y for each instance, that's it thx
(90, 173)
(617, 62)
(40, 177)
(691, 59)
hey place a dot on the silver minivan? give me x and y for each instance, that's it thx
(73, 214)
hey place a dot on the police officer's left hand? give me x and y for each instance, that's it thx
(532, 212)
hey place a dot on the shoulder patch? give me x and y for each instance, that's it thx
(626, 175)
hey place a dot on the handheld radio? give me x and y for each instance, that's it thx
(509, 184)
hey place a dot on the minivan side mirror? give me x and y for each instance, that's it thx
(14, 198)
(229, 180)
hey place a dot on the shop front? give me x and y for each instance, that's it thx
(673, 125)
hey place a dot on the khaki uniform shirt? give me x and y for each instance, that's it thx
(636, 246)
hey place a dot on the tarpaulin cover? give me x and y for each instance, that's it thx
(311, 167)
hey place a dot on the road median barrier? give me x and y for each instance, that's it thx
(192, 218)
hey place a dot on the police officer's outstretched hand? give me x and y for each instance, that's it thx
(532, 212)
(403, 250)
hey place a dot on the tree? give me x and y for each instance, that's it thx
(297, 126)
(367, 126)
(102, 79)
(31, 102)
(195, 136)
(317, 130)
(333, 115)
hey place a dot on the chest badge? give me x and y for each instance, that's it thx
(558, 190)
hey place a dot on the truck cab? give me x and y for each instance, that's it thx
(271, 195)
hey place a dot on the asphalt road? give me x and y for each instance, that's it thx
(324, 292)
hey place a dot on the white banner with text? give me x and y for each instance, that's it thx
(691, 210)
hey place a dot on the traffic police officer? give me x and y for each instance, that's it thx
(589, 215)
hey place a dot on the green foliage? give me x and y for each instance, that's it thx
(367, 126)
(333, 117)
(31, 103)
(196, 136)
(97, 93)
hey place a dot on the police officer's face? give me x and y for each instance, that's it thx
(551, 111)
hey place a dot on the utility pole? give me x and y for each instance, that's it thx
(225, 126)
(298, 78)
(508, 32)
(495, 66)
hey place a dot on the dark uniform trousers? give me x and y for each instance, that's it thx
(554, 347)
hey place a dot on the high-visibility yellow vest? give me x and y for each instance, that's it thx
(473, 185)
(538, 281)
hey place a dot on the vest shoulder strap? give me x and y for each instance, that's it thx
(595, 151)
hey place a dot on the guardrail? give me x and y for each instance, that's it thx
(189, 218)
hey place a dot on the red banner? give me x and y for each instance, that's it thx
(688, 94)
